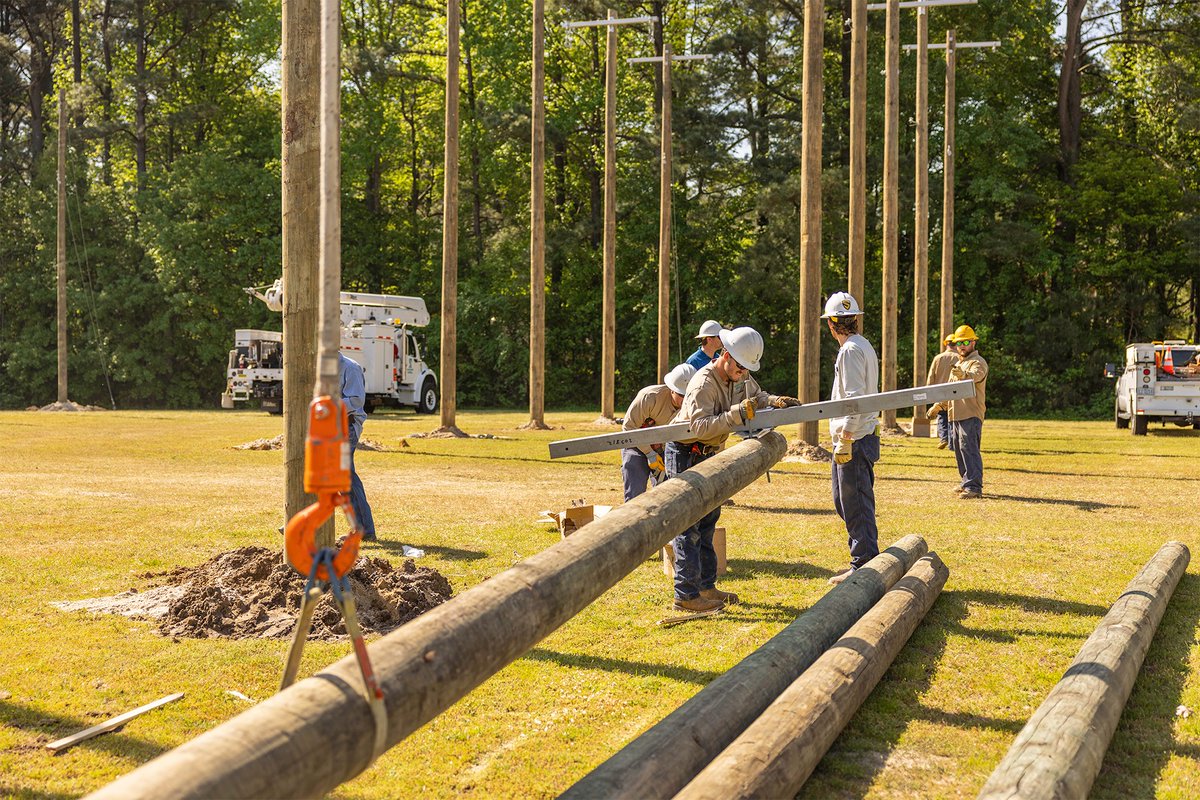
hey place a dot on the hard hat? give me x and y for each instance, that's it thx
(841, 304)
(710, 328)
(677, 379)
(964, 333)
(745, 345)
(948, 339)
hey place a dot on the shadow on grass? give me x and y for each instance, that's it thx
(1145, 737)
(49, 727)
(448, 553)
(699, 677)
(1086, 453)
(749, 567)
(989, 469)
(575, 461)
(33, 794)
(1082, 505)
(795, 511)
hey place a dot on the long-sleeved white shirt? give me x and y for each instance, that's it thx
(855, 373)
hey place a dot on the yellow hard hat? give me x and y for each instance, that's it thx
(948, 339)
(965, 333)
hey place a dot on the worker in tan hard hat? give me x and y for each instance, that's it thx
(720, 398)
(966, 415)
(710, 343)
(653, 405)
(939, 372)
(855, 437)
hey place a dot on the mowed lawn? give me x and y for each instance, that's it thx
(91, 502)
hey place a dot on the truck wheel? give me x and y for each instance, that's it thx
(428, 401)
(1121, 423)
(1140, 424)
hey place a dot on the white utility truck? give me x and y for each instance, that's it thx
(375, 333)
(1161, 381)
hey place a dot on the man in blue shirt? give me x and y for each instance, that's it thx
(710, 343)
(354, 395)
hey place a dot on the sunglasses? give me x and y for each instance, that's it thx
(960, 344)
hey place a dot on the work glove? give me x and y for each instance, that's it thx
(956, 373)
(746, 408)
(842, 452)
(655, 462)
(933, 411)
(783, 401)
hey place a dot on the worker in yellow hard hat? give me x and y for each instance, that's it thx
(966, 415)
(939, 372)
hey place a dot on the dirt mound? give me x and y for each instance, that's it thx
(808, 453)
(895, 430)
(252, 592)
(67, 406)
(275, 443)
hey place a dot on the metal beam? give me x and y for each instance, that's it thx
(922, 4)
(658, 59)
(957, 45)
(770, 418)
(596, 23)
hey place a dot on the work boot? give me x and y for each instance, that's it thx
(728, 598)
(943, 444)
(698, 605)
(970, 494)
(841, 576)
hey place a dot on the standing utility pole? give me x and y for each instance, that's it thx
(809, 379)
(946, 321)
(920, 425)
(608, 348)
(449, 354)
(61, 253)
(300, 101)
(891, 201)
(537, 227)
(856, 255)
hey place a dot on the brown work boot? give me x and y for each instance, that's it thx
(728, 598)
(698, 605)
(943, 444)
(841, 576)
(968, 494)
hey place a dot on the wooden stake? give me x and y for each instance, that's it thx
(449, 354)
(920, 425)
(947, 302)
(537, 226)
(609, 324)
(664, 222)
(891, 201)
(856, 258)
(319, 733)
(109, 725)
(61, 252)
(1059, 751)
(809, 384)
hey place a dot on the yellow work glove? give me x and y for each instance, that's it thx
(747, 410)
(842, 452)
(956, 373)
(933, 411)
(783, 401)
(655, 462)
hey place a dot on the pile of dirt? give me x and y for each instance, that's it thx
(252, 592)
(275, 443)
(374, 446)
(67, 406)
(894, 430)
(807, 453)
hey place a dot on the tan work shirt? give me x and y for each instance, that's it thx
(939, 370)
(974, 368)
(652, 406)
(708, 405)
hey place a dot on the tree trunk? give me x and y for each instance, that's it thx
(1069, 104)
(473, 140)
(141, 94)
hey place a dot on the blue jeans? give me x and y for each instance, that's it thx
(943, 426)
(967, 435)
(358, 496)
(635, 471)
(854, 499)
(695, 558)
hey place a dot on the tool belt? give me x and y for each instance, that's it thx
(704, 449)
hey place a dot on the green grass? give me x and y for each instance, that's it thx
(92, 501)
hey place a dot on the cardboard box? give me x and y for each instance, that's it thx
(572, 519)
(668, 555)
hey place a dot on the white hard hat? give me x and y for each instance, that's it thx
(677, 379)
(710, 328)
(841, 304)
(745, 345)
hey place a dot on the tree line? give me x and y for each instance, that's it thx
(1077, 165)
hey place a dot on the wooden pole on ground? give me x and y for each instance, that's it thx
(946, 314)
(891, 201)
(449, 354)
(856, 256)
(664, 222)
(662, 760)
(774, 756)
(809, 383)
(1059, 751)
(608, 360)
(300, 101)
(537, 227)
(920, 425)
(61, 249)
(330, 227)
(319, 733)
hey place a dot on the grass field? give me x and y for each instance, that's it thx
(1074, 511)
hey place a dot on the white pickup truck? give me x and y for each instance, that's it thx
(1161, 381)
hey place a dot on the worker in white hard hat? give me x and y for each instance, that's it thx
(653, 405)
(710, 343)
(720, 398)
(939, 372)
(855, 439)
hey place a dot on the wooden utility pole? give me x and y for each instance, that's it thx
(61, 250)
(608, 360)
(449, 354)
(664, 221)
(300, 96)
(809, 381)
(946, 321)
(537, 227)
(920, 425)
(856, 255)
(891, 201)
